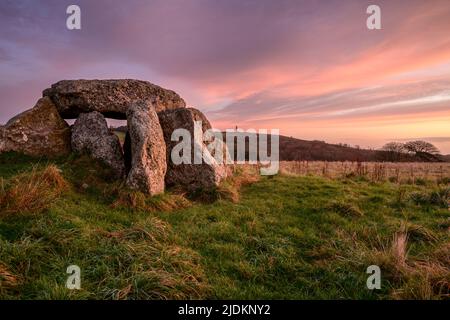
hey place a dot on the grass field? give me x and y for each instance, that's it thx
(286, 237)
(400, 172)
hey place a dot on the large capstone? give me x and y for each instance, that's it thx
(145, 149)
(39, 131)
(112, 98)
(191, 175)
(90, 135)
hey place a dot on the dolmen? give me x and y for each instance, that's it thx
(152, 114)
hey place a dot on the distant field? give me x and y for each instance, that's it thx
(374, 171)
(121, 136)
(286, 237)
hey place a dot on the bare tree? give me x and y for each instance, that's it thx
(421, 147)
(393, 151)
(394, 147)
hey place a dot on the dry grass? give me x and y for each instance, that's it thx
(375, 171)
(32, 192)
(345, 209)
(242, 175)
(139, 201)
(427, 278)
(398, 250)
(439, 197)
(413, 278)
(419, 233)
(7, 279)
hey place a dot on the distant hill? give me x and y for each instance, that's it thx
(297, 149)
(293, 149)
(123, 129)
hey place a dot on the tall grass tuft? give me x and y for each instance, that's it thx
(413, 278)
(345, 208)
(7, 279)
(439, 197)
(32, 192)
(136, 200)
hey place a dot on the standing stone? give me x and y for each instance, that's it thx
(145, 143)
(192, 176)
(39, 131)
(112, 98)
(90, 135)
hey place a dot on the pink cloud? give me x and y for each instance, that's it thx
(288, 64)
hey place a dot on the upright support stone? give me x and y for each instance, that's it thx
(190, 175)
(91, 135)
(145, 142)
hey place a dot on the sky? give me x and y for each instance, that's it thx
(309, 68)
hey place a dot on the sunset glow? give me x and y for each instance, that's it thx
(310, 68)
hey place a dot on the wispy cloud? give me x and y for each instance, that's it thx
(310, 68)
